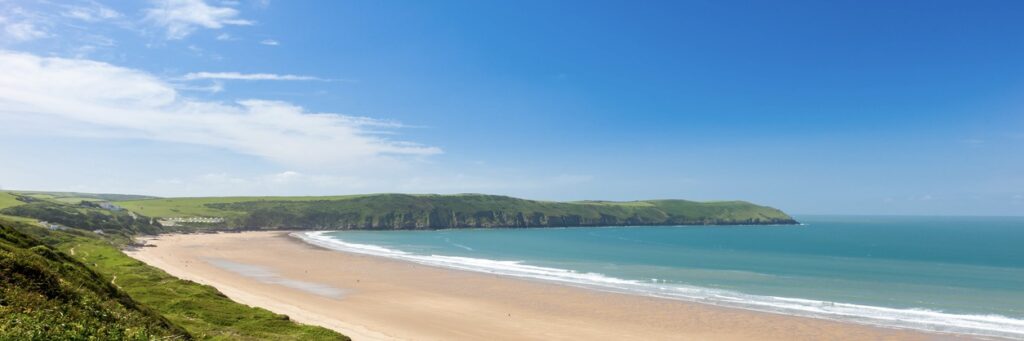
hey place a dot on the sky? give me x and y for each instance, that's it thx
(813, 107)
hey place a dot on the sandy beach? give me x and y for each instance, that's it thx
(372, 298)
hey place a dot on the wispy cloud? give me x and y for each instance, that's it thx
(213, 87)
(127, 103)
(22, 30)
(270, 42)
(182, 17)
(92, 12)
(20, 25)
(248, 76)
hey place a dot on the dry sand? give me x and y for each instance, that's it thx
(373, 298)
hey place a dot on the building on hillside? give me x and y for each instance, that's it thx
(190, 220)
(51, 226)
(109, 206)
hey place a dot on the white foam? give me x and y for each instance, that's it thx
(449, 241)
(919, 319)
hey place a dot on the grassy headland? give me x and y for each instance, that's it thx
(404, 211)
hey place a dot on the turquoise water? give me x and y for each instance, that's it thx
(957, 274)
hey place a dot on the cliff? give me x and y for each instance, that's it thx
(402, 211)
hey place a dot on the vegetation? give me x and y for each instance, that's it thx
(85, 215)
(76, 284)
(402, 211)
(47, 295)
(200, 309)
(11, 200)
(186, 207)
(8, 200)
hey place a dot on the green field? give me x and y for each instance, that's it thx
(189, 207)
(9, 200)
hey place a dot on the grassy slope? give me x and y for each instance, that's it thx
(47, 295)
(200, 309)
(384, 211)
(9, 200)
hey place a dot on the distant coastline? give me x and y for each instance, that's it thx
(429, 211)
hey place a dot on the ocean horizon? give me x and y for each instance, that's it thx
(933, 273)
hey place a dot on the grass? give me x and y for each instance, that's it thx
(402, 211)
(196, 206)
(192, 207)
(45, 294)
(73, 200)
(8, 200)
(201, 310)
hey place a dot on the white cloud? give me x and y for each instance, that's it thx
(286, 177)
(92, 13)
(102, 99)
(247, 76)
(182, 17)
(21, 30)
(270, 42)
(223, 36)
(213, 87)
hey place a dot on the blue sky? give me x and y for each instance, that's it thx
(862, 107)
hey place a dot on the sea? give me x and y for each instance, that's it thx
(961, 275)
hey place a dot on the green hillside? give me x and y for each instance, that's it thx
(185, 207)
(403, 211)
(47, 295)
(200, 309)
(77, 285)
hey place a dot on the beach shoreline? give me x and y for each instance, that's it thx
(375, 298)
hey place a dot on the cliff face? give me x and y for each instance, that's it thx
(396, 211)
